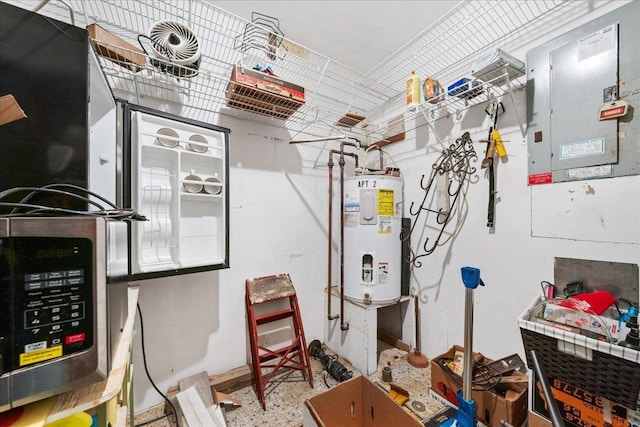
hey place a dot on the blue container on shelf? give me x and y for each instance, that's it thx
(465, 88)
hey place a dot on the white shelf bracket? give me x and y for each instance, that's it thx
(433, 129)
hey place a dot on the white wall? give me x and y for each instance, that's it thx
(197, 322)
(278, 210)
(511, 260)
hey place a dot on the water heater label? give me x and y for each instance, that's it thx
(384, 224)
(351, 214)
(385, 202)
(383, 273)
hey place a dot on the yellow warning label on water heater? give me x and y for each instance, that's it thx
(40, 355)
(385, 202)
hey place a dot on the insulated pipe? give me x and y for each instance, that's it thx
(375, 147)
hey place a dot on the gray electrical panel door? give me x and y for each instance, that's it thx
(581, 71)
(569, 79)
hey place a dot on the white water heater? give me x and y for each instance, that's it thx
(372, 245)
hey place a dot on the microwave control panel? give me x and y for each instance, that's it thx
(52, 299)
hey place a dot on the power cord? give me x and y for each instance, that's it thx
(146, 369)
(62, 189)
(484, 378)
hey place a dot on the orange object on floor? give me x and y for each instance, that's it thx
(295, 356)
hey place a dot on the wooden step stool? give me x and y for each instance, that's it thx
(295, 356)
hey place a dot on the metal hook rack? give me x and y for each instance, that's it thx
(263, 34)
(455, 163)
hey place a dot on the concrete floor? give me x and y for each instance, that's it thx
(286, 396)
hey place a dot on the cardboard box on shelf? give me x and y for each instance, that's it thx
(354, 403)
(263, 93)
(117, 50)
(580, 408)
(510, 405)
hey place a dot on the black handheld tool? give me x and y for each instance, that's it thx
(494, 110)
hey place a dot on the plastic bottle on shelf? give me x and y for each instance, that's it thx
(413, 90)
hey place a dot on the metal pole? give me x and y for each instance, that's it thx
(554, 412)
(468, 344)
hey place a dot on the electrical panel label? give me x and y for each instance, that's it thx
(602, 171)
(591, 147)
(40, 355)
(541, 178)
(597, 43)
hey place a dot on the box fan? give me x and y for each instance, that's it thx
(175, 49)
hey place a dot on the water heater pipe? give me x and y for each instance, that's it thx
(375, 147)
(343, 325)
(330, 232)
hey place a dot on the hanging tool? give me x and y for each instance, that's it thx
(494, 110)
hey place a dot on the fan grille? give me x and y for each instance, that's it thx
(175, 41)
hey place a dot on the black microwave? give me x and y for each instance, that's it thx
(53, 332)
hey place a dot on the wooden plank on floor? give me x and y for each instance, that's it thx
(391, 340)
(224, 382)
(201, 383)
(192, 409)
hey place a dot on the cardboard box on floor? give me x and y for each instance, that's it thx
(354, 403)
(491, 408)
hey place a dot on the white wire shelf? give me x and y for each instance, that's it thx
(444, 50)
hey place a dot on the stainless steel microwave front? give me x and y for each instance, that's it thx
(53, 332)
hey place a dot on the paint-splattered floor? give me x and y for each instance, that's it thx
(286, 396)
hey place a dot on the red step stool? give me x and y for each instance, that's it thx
(294, 356)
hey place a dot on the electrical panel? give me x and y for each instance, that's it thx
(577, 85)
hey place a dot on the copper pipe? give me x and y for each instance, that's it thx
(330, 231)
(343, 325)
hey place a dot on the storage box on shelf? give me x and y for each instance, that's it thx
(598, 367)
(112, 47)
(263, 93)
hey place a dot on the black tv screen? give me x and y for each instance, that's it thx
(44, 65)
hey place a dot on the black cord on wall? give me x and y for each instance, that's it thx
(146, 369)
